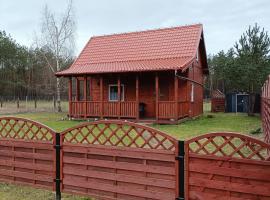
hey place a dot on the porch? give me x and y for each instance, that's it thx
(134, 96)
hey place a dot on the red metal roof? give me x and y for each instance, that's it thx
(151, 50)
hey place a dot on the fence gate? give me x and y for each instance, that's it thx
(26, 153)
(119, 160)
(227, 166)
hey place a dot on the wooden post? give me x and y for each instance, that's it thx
(26, 102)
(18, 103)
(1, 102)
(101, 96)
(70, 96)
(77, 89)
(85, 96)
(176, 82)
(157, 94)
(137, 98)
(90, 88)
(54, 103)
(35, 102)
(119, 96)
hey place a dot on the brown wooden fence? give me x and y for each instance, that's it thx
(227, 166)
(126, 161)
(26, 153)
(265, 109)
(119, 160)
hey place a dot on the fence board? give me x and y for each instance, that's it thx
(227, 165)
(265, 110)
(117, 160)
(26, 153)
(132, 166)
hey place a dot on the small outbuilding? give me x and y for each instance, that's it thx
(239, 102)
(217, 101)
(153, 76)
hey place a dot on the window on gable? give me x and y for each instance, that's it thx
(197, 55)
(113, 92)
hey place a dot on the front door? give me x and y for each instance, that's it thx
(242, 103)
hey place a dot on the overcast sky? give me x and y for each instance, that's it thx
(224, 21)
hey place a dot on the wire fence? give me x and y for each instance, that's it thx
(11, 105)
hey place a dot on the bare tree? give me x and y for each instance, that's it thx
(58, 37)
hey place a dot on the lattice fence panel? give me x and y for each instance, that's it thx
(26, 153)
(117, 133)
(229, 145)
(18, 128)
(227, 166)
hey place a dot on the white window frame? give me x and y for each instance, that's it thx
(121, 94)
(192, 93)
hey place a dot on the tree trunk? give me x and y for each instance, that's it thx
(58, 95)
(251, 104)
(58, 88)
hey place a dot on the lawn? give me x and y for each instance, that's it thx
(12, 107)
(209, 122)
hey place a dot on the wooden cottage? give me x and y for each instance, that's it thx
(146, 76)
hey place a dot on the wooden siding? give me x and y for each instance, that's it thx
(195, 73)
(167, 106)
(217, 105)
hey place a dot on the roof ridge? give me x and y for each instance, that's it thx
(122, 61)
(147, 30)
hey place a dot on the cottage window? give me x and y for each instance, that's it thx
(113, 92)
(192, 92)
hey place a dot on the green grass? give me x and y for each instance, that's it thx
(219, 122)
(10, 107)
(56, 121)
(209, 122)
(15, 192)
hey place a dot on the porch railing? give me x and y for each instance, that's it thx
(167, 109)
(77, 108)
(93, 108)
(110, 109)
(128, 109)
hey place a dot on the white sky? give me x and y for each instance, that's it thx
(224, 21)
